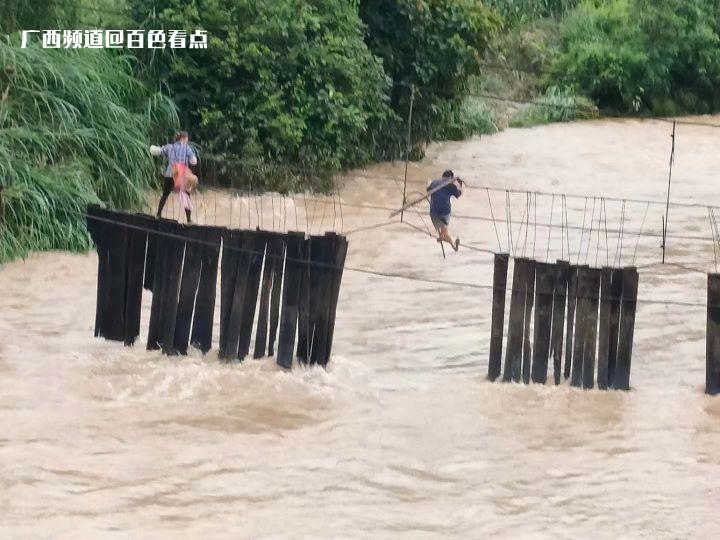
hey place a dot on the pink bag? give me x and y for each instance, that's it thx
(179, 171)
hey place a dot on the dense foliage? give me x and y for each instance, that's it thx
(431, 46)
(25, 15)
(556, 105)
(661, 56)
(74, 129)
(516, 12)
(283, 82)
(288, 88)
(316, 84)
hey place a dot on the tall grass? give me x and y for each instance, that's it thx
(516, 12)
(74, 129)
(456, 122)
(556, 105)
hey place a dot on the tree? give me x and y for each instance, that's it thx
(632, 55)
(431, 45)
(282, 82)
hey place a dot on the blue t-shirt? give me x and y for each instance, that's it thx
(178, 152)
(440, 200)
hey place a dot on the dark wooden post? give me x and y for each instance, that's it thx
(290, 299)
(235, 320)
(150, 252)
(546, 276)
(261, 333)
(160, 247)
(116, 234)
(96, 228)
(319, 353)
(204, 316)
(137, 242)
(712, 337)
(255, 262)
(514, 348)
(308, 279)
(627, 328)
(339, 262)
(591, 323)
(616, 291)
(231, 244)
(571, 305)
(278, 269)
(582, 292)
(604, 328)
(500, 272)
(527, 330)
(188, 286)
(558, 322)
(174, 254)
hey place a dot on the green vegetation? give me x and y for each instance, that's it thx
(74, 129)
(518, 12)
(291, 91)
(659, 57)
(432, 47)
(283, 82)
(315, 84)
(556, 105)
(460, 121)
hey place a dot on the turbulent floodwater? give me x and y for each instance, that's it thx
(402, 436)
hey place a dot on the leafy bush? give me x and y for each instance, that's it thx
(634, 55)
(25, 15)
(458, 122)
(517, 12)
(74, 129)
(281, 82)
(557, 105)
(434, 46)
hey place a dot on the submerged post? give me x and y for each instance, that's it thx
(590, 335)
(189, 282)
(616, 290)
(514, 347)
(290, 299)
(582, 310)
(558, 322)
(627, 328)
(527, 330)
(498, 314)
(604, 328)
(203, 317)
(546, 276)
(712, 338)
(571, 305)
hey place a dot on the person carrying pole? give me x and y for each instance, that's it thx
(177, 175)
(441, 191)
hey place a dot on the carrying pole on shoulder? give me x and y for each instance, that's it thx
(407, 149)
(423, 198)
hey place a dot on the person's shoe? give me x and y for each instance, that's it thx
(457, 244)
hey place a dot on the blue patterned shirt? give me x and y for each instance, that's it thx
(178, 152)
(440, 200)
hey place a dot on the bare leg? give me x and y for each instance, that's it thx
(445, 237)
(188, 213)
(167, 189)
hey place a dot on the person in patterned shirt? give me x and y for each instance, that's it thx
(178, 152)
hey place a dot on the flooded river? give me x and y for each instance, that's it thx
(402, 436)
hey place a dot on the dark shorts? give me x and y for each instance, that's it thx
(440, 221)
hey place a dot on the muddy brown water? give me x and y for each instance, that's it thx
(402, 437)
